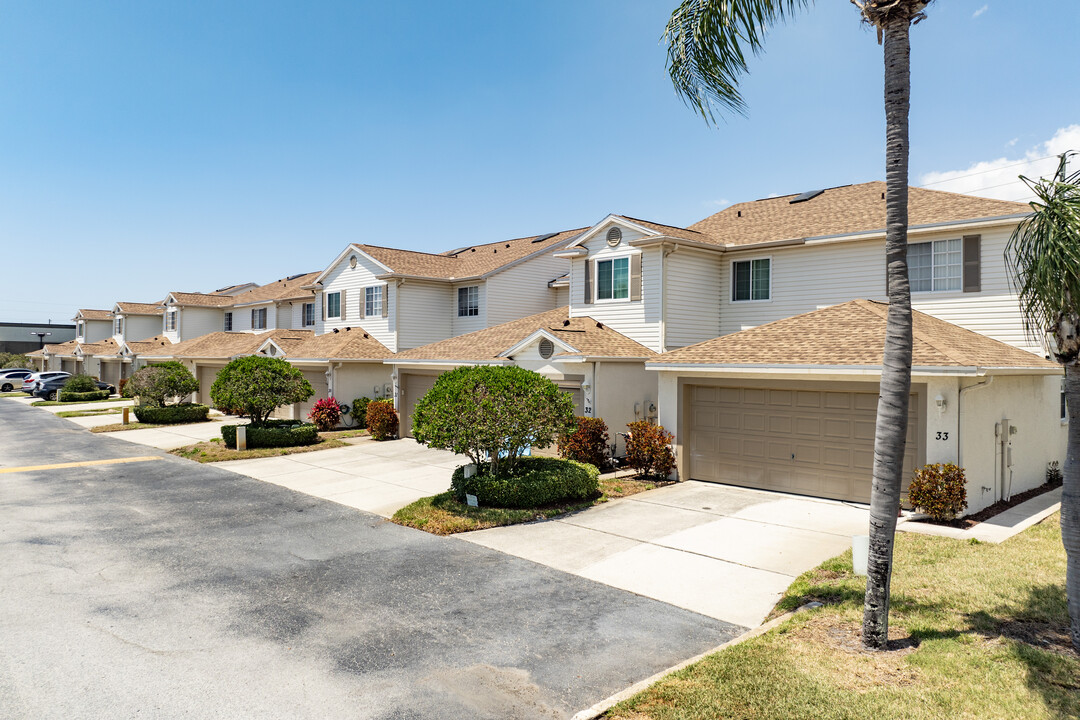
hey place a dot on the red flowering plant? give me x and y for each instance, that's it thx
(326, 414)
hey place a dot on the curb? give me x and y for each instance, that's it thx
(606, 704)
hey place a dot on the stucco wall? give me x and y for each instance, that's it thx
(356, 380)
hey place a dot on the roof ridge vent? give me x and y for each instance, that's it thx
(542, 238)
(808, 195)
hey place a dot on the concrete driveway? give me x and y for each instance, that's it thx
(150, 586)
(725, 552)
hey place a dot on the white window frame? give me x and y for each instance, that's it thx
(596, 277)
(373, 301)
(472, 301)
(259, 313)
(228, 323)
(80, 328)
(751, 299)
(337, 295)
(170, 320)
(959, 277)
(118, 326)
(304, 310)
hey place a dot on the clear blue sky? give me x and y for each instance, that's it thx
(149, 146)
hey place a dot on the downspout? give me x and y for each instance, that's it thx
(397, 314)
(663, 304)
(959, 426)
(334, 367)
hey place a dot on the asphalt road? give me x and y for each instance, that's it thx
(168, 589)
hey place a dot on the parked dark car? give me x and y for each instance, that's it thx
(47, 389)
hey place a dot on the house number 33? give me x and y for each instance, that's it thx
(942, 435)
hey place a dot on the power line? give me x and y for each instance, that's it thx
(983, 172)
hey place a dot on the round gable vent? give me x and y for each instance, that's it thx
(547, 348)
(352, 261)
(614, 236)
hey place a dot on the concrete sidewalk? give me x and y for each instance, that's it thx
(168, 437)
(999, 528)
(378, 477)
(725, 552)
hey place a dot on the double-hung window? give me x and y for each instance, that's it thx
(751, 280)
(333, 305)
(170, 321)
(935, 266)
(118, 326)
(613, 279)
(258, 318)
(228, 322)
(373, 301)
(468, 301)
(80, 329)
(308, 315)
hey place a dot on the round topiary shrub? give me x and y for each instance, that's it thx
(80, 384)
(939, 490)
(326, 413)
(382, 419)
(158, 383)
(273, 433)
(535, 481)
(588, 443)
(171, 414)
(256, 385)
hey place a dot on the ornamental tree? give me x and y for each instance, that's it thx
(492, 414)
(155, 384)
(257, 385)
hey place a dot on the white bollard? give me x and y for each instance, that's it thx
(860, 552)
(241, 437)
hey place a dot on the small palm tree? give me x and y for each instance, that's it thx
(1044, 261)
(708, 42)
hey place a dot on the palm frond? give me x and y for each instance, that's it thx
(1043, 254)
(708, 42)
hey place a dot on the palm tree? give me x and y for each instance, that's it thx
(1044, 262)
(707, 42)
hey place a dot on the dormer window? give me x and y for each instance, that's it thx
(228, 322)
(118, 326)
(258, 318)
(613, 279)
(170, 321)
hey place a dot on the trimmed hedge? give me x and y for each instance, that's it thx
(72, 397)
(273, 433)
(536, 481)
(171, 414)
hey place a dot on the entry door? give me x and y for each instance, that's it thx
(413, 387)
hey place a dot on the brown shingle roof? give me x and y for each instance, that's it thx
(141, 347)
(65, 348)
(471, 261)
(585, 334)
(130, 308)
(104, 347)
(94, 314)
(852, 333)
(669, 230)
(842, 211)
(224, 345)
(348, 344)
(290, 288)
(202, 299)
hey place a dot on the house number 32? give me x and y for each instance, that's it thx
(942, 435)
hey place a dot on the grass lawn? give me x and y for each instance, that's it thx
(89, 413)
(14, 393)
(42, 403)
(214, 450)
(444, 515)
(981, 632)
(135, 425)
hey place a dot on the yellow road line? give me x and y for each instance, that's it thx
(57, 466)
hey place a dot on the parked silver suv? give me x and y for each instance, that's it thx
(12, 378)
(31, 383)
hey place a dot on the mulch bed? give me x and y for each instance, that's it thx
(970, 521)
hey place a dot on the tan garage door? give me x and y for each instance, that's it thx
(413, 387)
(110, 373)
(68, 365)
(810, 442)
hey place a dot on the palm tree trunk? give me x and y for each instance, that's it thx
(1070, 501)
(892, 415)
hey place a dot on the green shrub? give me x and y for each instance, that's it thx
(492, 414)
(359, 411)
(171, 414)
(1053, 474)
(257, 385)
(80, 384)
(939, 490)
(156, 383)
(123, 384)
(14, 360)
(535, 481)
(382, 419)
(588, 443)
(326, 414)
(648, 449)
(273, 433)
(65, 395)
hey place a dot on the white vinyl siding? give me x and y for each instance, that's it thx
(639, 321)
(518, 292)
(810, 277)
(353, 281)
(426, 313)
(692, 297)
(141, 327)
